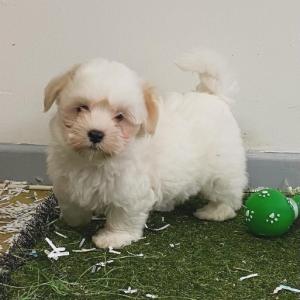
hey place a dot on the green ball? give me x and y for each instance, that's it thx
(270, 213)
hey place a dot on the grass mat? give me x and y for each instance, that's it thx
(207, 264)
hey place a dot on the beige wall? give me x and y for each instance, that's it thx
(261, 38)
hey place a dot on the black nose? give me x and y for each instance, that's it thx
(95, 136)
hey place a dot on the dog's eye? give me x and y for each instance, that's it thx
(119, 117)
(81, 108)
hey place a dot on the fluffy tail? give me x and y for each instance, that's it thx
(214, 74)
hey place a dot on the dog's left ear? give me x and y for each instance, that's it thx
(152, 109)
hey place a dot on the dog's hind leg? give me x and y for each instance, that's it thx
(225, 197)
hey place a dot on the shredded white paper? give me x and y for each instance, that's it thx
(151, 296)
(14, 215)
(248, 276)
(111, 250)
(17, 214)
(96, 267)
(257, 189)
(60, 234)
(157, 229)
(161, 228)
(284, 187)
(287, 288)
(56, 251)
(84, 250)
(138, 255)
(129, 290)
(9, 184)
(81, 243)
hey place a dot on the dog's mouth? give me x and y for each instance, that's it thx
(94, 153)
(95, 147)
(91, 152)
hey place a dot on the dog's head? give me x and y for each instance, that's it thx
(102, 106)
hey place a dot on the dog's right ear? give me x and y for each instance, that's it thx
(55, 86)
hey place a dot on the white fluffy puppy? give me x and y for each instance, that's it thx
(119, 150)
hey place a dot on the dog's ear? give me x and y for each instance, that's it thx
(152, 109)
(55, 86)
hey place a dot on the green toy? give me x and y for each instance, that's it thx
(270, 213)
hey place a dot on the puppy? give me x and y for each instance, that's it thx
(118, 149)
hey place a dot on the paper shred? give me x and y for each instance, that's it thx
(129, 290)
(84, 250)
(287, 288)
(158, 229)
(60, 234)
(50, 243)
(242, 269)
(23, 185)
(161, 228)
(15, 182)
(111, 250)
(39, 180)
(33, 253)
(56, 254)
(96, 267)
(138, 255)
(53, 246)
(257, 189)
(151, 296)
(248, 276)
(16, 215)
(56, 251)
(81, 243)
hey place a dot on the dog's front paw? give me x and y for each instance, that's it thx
(115, 239)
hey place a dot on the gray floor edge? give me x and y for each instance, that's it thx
(272, 169)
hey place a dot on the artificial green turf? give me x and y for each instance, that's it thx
(207, 264)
